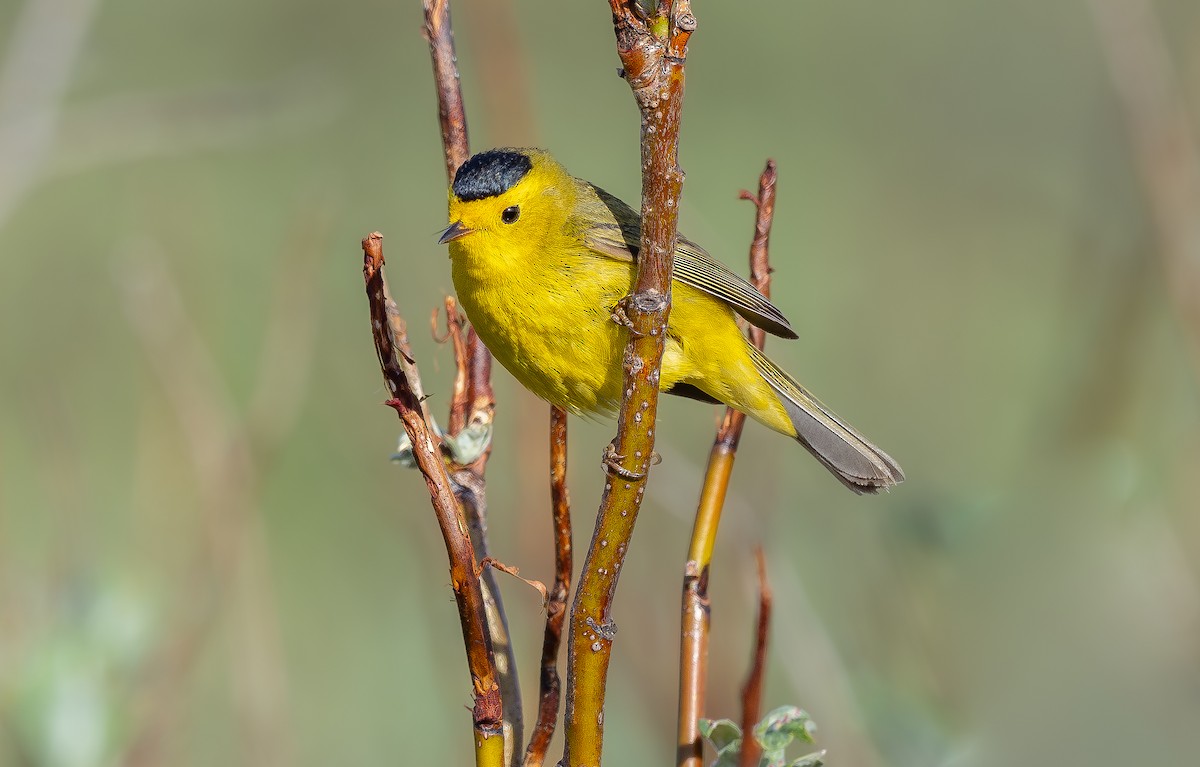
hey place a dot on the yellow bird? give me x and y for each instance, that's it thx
(540, 260)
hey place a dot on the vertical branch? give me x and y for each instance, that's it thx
(696, 618)
(760, 263)
(469, 427)
(501, 64)
(556, 605)
(452, 115)
(477, 396)
(397, 366)
(481, 398)
(653, 49)
(469, 489)
(1164, 146)
(454, 334)
(47, 38)
(752, 692)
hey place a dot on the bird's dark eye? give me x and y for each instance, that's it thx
(510, 214)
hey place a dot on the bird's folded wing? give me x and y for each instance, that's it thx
(693, 266)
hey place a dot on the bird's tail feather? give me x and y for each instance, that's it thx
(859, 465)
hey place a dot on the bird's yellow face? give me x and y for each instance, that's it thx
(506, 203)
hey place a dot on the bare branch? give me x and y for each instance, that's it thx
(474, 404)
(47, 38)
(1164, 146)
(653, 52)
(451, 113)
(487, 713)
(752, 691)
(454, 333)
(556, 605)
(695, 622)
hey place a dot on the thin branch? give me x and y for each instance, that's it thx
(454, 333)
(653, 51)
(760, 263)
(452, 115)
(48, 37)
(473, 386)
(696, 618)
(1164, 146)
(752, 691)
(500, 63)
(487, 713)
(470, 490)
(556, 605)
(479, 382)
(472, 407)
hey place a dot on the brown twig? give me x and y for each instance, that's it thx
(695, 623)
(653, 49)
(473, 406)
(487, 714)
(752, 691)
(494, 27)
(499, 63)
(452, 115)
(479, 380)
(1164, 146)
(556, 605)
(760, 263)
(473, 388)
(454, 334)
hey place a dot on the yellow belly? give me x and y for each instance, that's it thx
(550, 325)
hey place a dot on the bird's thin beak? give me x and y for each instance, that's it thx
(453, 232)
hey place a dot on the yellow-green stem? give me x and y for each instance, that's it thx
(695, 614)
(653, 66)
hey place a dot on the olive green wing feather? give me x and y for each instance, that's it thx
(612, 228)
(859, 465)
(695, 267)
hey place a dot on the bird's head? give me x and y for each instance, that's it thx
(505, 196)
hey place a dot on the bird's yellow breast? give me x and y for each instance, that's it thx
(547, 317)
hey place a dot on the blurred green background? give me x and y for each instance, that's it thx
(206, 558)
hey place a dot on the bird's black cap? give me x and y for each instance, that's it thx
(490, 173)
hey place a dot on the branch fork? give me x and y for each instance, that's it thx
(403, 382)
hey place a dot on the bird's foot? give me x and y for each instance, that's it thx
(621, 317)
(612, 464)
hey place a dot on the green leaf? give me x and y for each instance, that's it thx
(466, 448)
(721, 732)
(815, 759)
(774, 733)
(404, 452)
(783, 725)
(730, 757)
(773, 759)
(470, 444)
